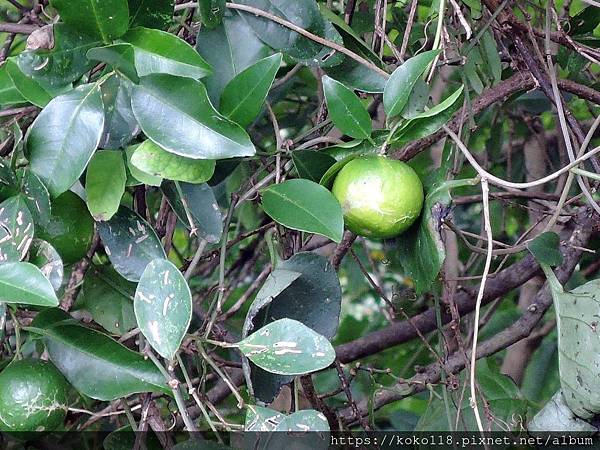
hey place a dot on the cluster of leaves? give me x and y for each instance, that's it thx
(158, 139)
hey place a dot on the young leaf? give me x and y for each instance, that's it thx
(346, 110)
(95, 364)
(288, 347)
(63, 137)
(156, 51)
(134, 175)
(306, 206)
(153, 160)
(106, 19)
(130, 243)
(196, 203)
(24, 283)
(163, 307)
(105, 183)
(244, 96)
(401, 82)
(177, 115)
(16, 229)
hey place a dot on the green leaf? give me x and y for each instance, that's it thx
(30, 89)
(46, 258)
(130, 243)
(304, 288)
(177, 115)
(421, 250)
(95, 364)
(105, 183)
(36, 196)
(556, 416)
(106, 19)
(312, 164)
(443, 106)
(501, 396)
(16, 229)
(401, 82)
(305, 421)
(9, 94)
(212, 12)
(120, 56)
(306, 206)
(346, 110)
(229, 49)
(201, 204)
(417, 101)
(64, 63)
(156, 51)
(303, 13)
(261, 419)
(63, 137)
(151, 13)
(288, 347)
(153, 160)
(492, 55)
(136, 176)
(585, 21)
(163, 307)
(245, 94)
(546, 249)
(108, 299)
(24, 283)
(120, 126)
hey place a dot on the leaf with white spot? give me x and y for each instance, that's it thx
(259, 418)
(36, 196)
(163, 307)
(16, 229)
(130, 243)
(288, 347)
(45, 257)
(304, 421)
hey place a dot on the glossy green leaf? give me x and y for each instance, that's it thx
(63, 137)
(24, 283)
(107, 298)
(211, 12)
(46, 258)
(64, 63)
(177, 115)
(546, 248)
(261, 419)
(30, 89)
(306, 206)
(120, 125)
(120, 56)
(417, 101)
(441, 107)
(9, 94)
(312, 164)
(95, 364)
(163, 307)
(136, 176)
(153, 160)
(156, 51)
(130, 243)
(105, 183)
(16, 229)
(36, 196)
(197, 200)
(585, 21)
(346, 110)
(420, 128)
(229, 49)
(151, 13)
(245, 94)
(401, 82)
(304, 288)
(288, 347)
(303, 13)
(106, 19)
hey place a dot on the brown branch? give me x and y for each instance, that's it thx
(521, 329)
(17, 28)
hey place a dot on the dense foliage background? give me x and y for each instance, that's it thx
(169, 241)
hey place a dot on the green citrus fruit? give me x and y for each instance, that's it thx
(33, 396)
(380, 197)
(70, 229)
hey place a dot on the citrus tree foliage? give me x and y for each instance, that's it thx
(179, 186)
